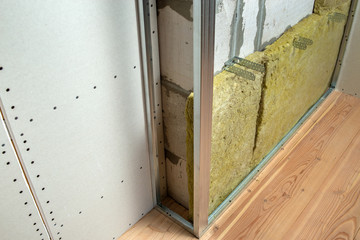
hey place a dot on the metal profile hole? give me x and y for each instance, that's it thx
(299, 45)
(240, 72)
(246, 63)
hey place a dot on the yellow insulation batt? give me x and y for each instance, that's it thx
(295, 78)
(235, 108)
(251, 117)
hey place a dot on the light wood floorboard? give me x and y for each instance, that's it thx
(309, 190)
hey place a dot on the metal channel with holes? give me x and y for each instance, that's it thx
(19, 218)
(152, 93)
(75, 111)
(344, 42)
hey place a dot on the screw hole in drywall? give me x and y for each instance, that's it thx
(8, 163)
(77, 97)
(134, 67)
(37, 176)
(28, 149)
(94, 87)
(34, 223)
(122, 181)
(21, 192)
(12, 107)
(1, 68)
(21, 134)
(61, 225)
(51, 212)
(115, 76)
(37, 230)
(24, 141)
(47, 202)
(52, 219)
(25, 203)
(14, 180)
(32, 162)
(102, 197)
(55, 108)
(153, 32)
(3, 145)
(16, 118)
(43, 189)
(3, 152)
(140, 167)
(80, 212)
(8, 89)
(31, 120)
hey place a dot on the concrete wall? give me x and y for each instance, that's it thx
(176, 62)
(242, 26)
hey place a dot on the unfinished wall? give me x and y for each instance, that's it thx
(244, 26)
(298, 71)
(239, 29)
(176, 62)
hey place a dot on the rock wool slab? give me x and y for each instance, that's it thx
(235, 109)
(295, 78)
(251, 117)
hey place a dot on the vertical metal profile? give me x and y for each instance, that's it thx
(204, 38)
(146, 10)
(344, 42)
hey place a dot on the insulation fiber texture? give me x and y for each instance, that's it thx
(295, 79)
(251, 117)
(235, 109)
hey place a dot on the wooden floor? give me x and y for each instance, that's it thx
(309, 190)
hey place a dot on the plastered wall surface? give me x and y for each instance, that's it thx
(295, 78)
(71, 91)
(244, 26)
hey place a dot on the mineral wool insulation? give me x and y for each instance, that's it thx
(251, 117)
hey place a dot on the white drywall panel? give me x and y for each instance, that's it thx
(282, 14)
(19, 216)
(348, 80)
(72, 91)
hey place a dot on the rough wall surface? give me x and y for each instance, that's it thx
(176, 62)
(295, 78)
(249, 118)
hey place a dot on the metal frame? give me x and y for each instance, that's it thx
(344, 41)
(204, 38)
(146, 10)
